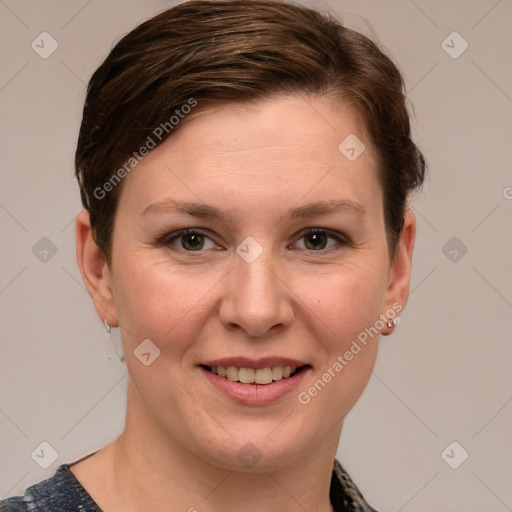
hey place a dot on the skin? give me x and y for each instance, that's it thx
(254, 162)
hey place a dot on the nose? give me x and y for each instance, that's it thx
(256, 300)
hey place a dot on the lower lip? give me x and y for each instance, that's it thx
(255, 394)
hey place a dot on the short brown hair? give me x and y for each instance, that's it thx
(236, 50)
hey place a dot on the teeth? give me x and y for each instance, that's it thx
(246, 375)
(263, 376)
(277, 373)
(232, 373)
(250, 376)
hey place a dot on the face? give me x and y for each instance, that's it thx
(249, 240)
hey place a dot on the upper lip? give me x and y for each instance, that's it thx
(246, 362)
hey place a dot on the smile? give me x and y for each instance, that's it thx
(260, 376)
(255, 382)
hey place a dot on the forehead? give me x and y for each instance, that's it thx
(268, 150)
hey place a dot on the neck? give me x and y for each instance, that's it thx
(153, 471)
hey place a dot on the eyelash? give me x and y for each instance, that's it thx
(342, 240)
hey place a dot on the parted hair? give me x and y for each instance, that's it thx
(234, 51)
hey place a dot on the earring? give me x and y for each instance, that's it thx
(115, 337)
(392, 323)
(107, 327)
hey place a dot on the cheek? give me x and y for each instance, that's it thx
(344, 309)
(162, 302)
(345, 300)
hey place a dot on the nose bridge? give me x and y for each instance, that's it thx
(256, 300)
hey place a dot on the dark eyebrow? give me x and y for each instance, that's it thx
(208, 212)
(195, 209)
(325, 207)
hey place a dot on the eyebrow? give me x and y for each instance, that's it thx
(204, 211)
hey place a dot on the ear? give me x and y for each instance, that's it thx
(400, 271)
(94, 270)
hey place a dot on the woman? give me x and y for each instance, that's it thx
(244, 166)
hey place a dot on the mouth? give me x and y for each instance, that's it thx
(261, 376)
(255, 382)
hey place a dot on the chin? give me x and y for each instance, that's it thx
(255, 453)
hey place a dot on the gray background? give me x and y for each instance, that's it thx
(443, 377)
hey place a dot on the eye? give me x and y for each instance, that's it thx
(191, 240)
(314, 239)
(317, 239)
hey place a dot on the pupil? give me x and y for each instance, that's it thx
(316, 238)
(193, 241)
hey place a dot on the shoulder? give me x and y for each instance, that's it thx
(345, 495)
(59, 493)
